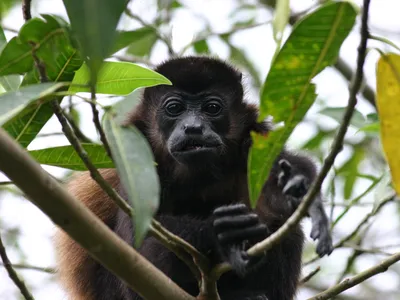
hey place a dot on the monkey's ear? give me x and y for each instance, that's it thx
(263, 127)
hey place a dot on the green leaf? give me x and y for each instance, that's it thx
(288, 93)
(281, 19)
(52, 46)
(140, 41)
(12, 103)
(357, 120)
(387, 100)
(118, 78)
(134, 160)
(372, 129)
(201, 46)
(94, 24)
(66, 157)
(10, 82)
(349, 171)
(60, 58)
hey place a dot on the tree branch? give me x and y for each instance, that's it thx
(362, 223)
(34, 268)
(309, 275)
(12, 274)
(26, 10)
(350, 282)
(83, 226)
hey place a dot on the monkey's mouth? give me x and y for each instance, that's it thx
(194, 146)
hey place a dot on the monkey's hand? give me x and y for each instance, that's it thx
(236, 229)
(295, 186)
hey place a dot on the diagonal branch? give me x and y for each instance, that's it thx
(12, 274)
(83, 226)
(350, 282)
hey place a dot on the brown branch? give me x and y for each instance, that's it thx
(350, 282)
(96, 121)
(26, 10)
(12, 274)
(78, 132)
(83, 226)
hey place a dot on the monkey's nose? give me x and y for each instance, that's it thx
(193, 128)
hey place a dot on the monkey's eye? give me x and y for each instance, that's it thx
(174, 108)
(212, 108)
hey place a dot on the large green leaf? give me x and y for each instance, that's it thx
(28, 97)
(118, 78)
(66, 157)
(134, 160)
(288, 93)
(10, 82)
(94, 24)
(56, 51)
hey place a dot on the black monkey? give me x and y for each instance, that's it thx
(199, 130)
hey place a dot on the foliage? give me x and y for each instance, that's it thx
(288, 93)
(388, 95)
(77, 56)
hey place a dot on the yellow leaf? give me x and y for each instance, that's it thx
(388, 103)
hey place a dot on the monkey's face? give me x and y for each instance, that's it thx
(193, 126)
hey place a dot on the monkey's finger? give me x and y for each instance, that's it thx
(228, 210)
(239, 221)
(237, 236)
(324, 246)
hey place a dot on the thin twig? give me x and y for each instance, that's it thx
(350, 282)
(309, 275)
(6, 28)
(96, 121)
(79, 134)
(361, 224)
(34, 268)
(12, 274)
(26, 10)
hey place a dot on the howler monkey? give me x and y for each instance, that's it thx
(199, 130)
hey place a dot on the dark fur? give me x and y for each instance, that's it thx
(189, 197)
